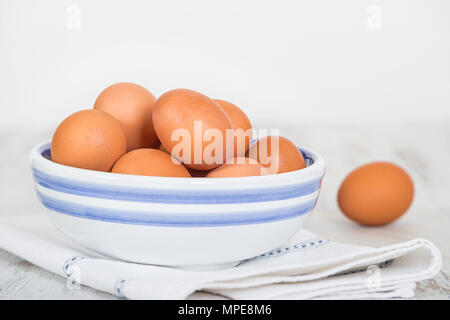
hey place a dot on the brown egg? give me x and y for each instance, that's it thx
(238, 167)
(287, 157)
(132, 105)
(185, 120)
(150, 162)
(376, 193)
(242, 127)
(88, 139)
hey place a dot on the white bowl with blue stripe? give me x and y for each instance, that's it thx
(180, 222)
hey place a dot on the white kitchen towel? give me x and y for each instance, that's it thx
(307, 267)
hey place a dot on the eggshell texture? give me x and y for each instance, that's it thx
(289, 156)
(132, 105)
(150, 162)
(240, 121)
(238, 167)
(376, 193)
(179, 109)
(88, 139)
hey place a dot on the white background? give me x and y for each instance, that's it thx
(293, 61)
(306, 67)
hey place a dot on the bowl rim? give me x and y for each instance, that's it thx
(38, 161)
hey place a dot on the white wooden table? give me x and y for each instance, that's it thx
(423, 149)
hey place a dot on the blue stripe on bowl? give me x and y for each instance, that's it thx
(150, 194)
(174, 219)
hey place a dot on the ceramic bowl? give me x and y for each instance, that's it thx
(180, 222)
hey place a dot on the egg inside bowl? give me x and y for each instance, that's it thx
(179, 222)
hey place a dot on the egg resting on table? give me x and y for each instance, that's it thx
(88, 139)
(376, 193)
(132, 105)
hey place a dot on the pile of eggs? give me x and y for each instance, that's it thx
(128, 131)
